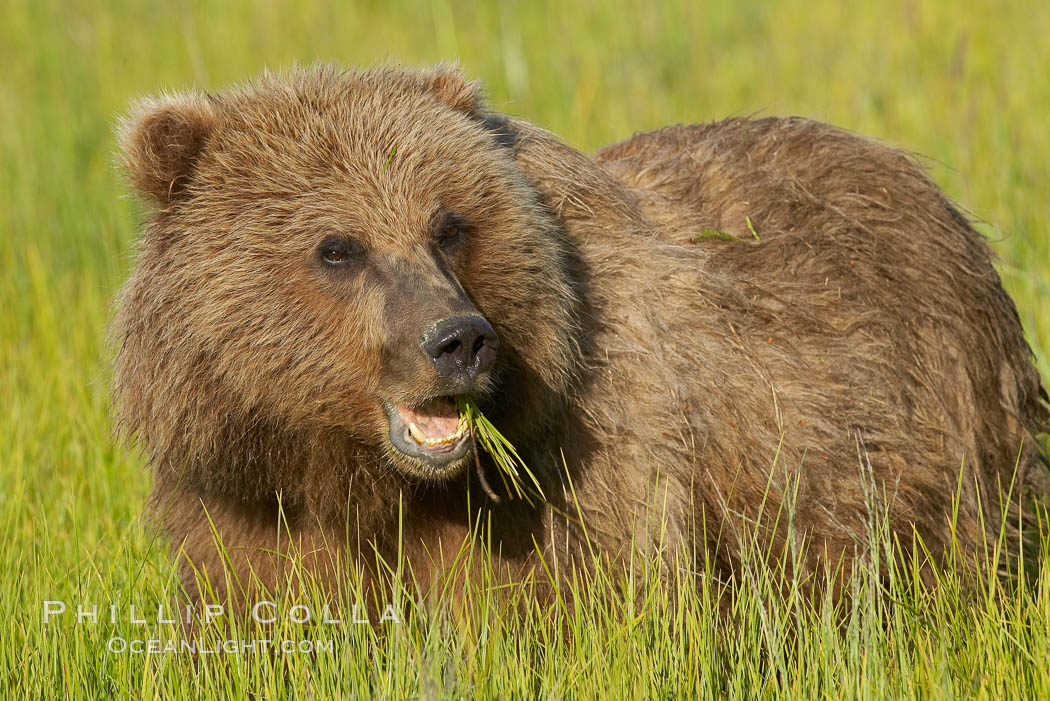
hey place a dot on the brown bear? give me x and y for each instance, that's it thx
(715, 322)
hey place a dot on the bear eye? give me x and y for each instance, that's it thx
(337, 252)
(451, 230)
(450, 235)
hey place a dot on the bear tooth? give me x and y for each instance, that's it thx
(422, 438)
(417, 433)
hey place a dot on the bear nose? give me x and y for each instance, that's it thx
(461, 348)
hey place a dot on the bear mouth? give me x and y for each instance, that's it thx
(431, 439)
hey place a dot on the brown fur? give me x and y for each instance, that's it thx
(864, 326)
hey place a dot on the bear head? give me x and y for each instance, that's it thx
(334, 258)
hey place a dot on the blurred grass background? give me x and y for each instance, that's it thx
(964, 84)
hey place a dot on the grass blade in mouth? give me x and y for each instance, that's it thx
(510, 465)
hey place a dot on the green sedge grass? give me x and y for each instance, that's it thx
(509, 463)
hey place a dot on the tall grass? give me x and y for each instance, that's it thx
(963, 84)
(663, 626)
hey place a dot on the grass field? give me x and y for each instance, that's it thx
(964, 84)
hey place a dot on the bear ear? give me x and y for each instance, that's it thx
(162, 139)
(447, 83)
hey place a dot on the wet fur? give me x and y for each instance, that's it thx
(853, 342)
